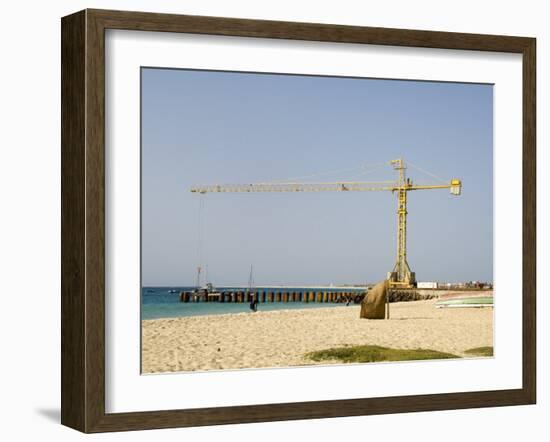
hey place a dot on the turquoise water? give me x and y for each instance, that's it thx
(158, 302)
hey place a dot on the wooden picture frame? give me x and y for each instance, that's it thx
(83, 220)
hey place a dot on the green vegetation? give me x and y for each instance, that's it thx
(480, 351)
(374, 353)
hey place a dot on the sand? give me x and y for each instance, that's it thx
(282, 338)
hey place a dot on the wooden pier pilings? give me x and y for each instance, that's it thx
(263, 296)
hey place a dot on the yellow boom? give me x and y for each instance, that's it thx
(401, 275)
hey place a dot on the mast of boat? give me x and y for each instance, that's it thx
(198, 284)
(250, 280)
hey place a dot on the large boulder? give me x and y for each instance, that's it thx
(374, 304)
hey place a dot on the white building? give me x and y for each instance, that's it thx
(427, 285)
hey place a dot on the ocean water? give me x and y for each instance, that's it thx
(158, 302)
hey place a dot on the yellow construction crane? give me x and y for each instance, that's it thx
(401, 276)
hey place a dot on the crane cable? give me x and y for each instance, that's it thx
(373, 167)
(368, 170)
(426, 172)
(200, 237)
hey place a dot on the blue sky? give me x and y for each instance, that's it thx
(202, 127)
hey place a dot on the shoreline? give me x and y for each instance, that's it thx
(281, 338)
(259, 311)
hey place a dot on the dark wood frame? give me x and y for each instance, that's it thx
(83, 216)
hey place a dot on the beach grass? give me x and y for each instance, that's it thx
(480, 351)
(375, 353)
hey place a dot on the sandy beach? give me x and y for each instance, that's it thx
(282, 338)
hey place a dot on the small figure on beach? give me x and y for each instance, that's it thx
(254, 303)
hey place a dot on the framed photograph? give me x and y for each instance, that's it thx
(267, 221)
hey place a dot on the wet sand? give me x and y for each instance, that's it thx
(282, 338)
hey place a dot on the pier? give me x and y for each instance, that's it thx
(352, 296)
(270, 296)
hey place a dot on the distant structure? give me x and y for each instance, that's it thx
(401, 277)
(426, 285)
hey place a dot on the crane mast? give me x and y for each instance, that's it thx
(401, 276)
